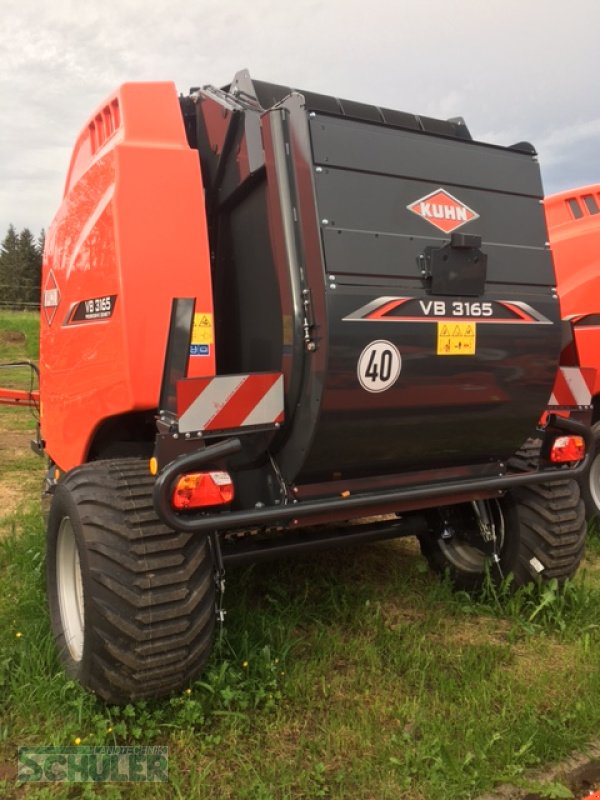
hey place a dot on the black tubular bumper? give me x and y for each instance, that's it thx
(367, 502)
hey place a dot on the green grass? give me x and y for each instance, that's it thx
(25, 323)
(352, 674)
(21, 471)
(19, 341)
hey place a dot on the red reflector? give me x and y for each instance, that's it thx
(567, 448)
(199, 489)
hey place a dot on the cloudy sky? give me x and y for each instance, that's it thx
(515, 69)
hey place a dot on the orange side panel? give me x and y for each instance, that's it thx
(129, 236)
(574, 233)
(573, 219)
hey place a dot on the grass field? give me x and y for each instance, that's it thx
(354, 674)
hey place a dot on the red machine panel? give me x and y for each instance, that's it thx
(573, 219)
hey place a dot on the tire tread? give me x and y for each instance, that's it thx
(150, 599)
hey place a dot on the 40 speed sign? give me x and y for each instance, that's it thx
(379, 366)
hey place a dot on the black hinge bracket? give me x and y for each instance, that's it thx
(457, 268)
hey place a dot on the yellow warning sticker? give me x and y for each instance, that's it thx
(202, 332)
(456, 338)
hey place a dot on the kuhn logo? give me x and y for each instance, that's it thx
(442, 210)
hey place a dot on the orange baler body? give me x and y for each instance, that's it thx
(129, 236)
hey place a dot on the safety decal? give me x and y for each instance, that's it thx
(202, 332)
(50, 298)
(199, 349)
(456, 338)
(442, 210)
(229, 401)
(412, 309)
(95, 308)
(379, 366)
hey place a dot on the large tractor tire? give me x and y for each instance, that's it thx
(132, 603)
(540, 533)
(590, 486)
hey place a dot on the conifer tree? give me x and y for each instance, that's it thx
(9, 266)
(30, 267)
(20, 267)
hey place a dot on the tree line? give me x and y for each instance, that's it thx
(20, 268)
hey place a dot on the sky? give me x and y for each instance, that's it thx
(514, 69)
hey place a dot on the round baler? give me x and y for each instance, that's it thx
(268, 313)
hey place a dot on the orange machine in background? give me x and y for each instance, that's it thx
(573, 219)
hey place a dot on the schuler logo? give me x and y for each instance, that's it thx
(442, 210)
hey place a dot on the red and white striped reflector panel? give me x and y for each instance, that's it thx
(571, 387)
(229, 401)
